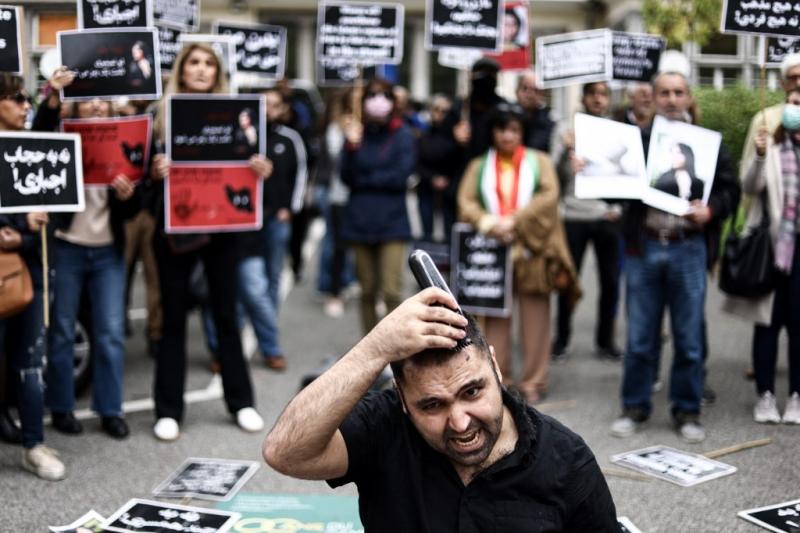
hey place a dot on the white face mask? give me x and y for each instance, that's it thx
(378, 106)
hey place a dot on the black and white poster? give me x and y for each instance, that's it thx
(480, 272)
(781, 517)
(155, 517)
(676, 466)
(259, 48)
(761, 17)
(360, 32)
(168, 47)
(208, 479)
(114, 13)
(574, 58)
(179, 14)
(636, 55)
(215, 128)
(464, 24)
(111, 63)
(626, 526)
(780, 47)
(225, 48)
(340, 73)
(11, 39)
(41, 172)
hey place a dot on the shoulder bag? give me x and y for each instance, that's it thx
(16, 286)
(747, 269)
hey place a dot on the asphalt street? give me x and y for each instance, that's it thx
(584, 394)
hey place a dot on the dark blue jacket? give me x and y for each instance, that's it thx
(377, 173)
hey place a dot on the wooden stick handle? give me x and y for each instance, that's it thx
(623, 474)
(737, 448)
(45, 277)
(358, 91)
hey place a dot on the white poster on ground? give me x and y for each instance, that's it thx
(676, 466)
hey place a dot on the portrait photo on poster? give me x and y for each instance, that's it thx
(110, 63)
(612, 156)
(515, 54)
(681, 164)
(114, 14)
(259, 48)
(11, 52)
(223, 45)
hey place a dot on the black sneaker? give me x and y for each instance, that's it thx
(67, 423)
(609, 353)
(559, 352)
(709, 396)
(115, 426)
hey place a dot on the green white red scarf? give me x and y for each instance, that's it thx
(526, 181)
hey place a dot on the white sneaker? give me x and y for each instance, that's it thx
(766, 410)
(43, 462)
(792, 413)
(334, 307)
(625, 426)
(692, 431)
(166, 429)
(249, 420)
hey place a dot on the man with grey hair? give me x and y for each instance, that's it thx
(538, 124)
(665, 265)
(639, 111)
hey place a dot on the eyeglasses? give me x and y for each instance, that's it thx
(19, 98)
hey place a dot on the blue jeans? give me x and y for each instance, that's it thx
(276, 239)
(254, 300)
(670, 274)
(334, 258)
(101, 270)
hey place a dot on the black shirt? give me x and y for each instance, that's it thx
(549, 483)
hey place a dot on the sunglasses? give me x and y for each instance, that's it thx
(19, 98)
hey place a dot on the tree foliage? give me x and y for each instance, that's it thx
(680, 21)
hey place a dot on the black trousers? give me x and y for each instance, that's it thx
(174, 271)
(605, 236)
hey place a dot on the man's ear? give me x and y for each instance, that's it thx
(495, 365)
(400, 395)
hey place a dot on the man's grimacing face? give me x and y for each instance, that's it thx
(456, 406)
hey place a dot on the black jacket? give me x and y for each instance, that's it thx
(438, 154)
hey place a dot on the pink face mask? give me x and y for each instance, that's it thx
(378, 106)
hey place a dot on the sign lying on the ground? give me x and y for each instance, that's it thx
(207, 479)
(91, 521)
(626, 526)
(676, 466)
(114, 13)
(11, 39)
(260, 48)
(112, 146)
(360, 32)
(41, 172)
(179, 14)
(155, 517)
(761, 17)
(636, 55)
(464, 24)
(295, 512)
(780, 47)
(781, 517)
(570, 58)
(480, 272)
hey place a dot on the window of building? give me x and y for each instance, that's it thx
(726, 45)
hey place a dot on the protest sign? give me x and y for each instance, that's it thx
(636, 55)
(515, 54)
(342, 73)
(212, 198)
(360, 32)
(207, 479)
(613, 156)
(780, 47)
(676, 466)
(215, 128)
(569, 58)
(179, 14)
(114, 13)
(458, 58)
(464, 24)
(626, 526)
(480, 272)
(168, 47)
(295, 512)
(225, 48)
(781, 517)
(41, 172)
(111, 63)
(761, 17)
(259, 48)
(11, 39)
(681, 164)
(91, 521)
(151, 516)
(112, 146)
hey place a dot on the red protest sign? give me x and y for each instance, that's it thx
(112, 146)
(515, 54)
(212, 198)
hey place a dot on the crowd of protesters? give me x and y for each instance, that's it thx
(507, 168)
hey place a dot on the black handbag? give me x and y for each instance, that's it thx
(748, 262)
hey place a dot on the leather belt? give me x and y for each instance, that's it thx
(666, 236)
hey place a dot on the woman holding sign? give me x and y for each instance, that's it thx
(511, 193)
(198, 70)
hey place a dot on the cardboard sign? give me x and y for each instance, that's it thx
(613, 157)
(626, 526)
(515, 53)
(212, 198)
(259, 48)
(636, 55)
(296, 512)
(41, 172)
(761, 17)
(168, 46)
(91, 521)
(462, 24)
(179, 14)
(780, 47)
(225, 48)
(155, 517)
(342, 73)
(112, 146)
(681, 164)
(207, 479)
(480, 272)
(360, 32)
(458, 58)
(114, 13)
(781, 517)
(111, 63)
(215, 128)
(11, 39)
(571, 58)
(676, 466)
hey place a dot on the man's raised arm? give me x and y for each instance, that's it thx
(306, 442)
